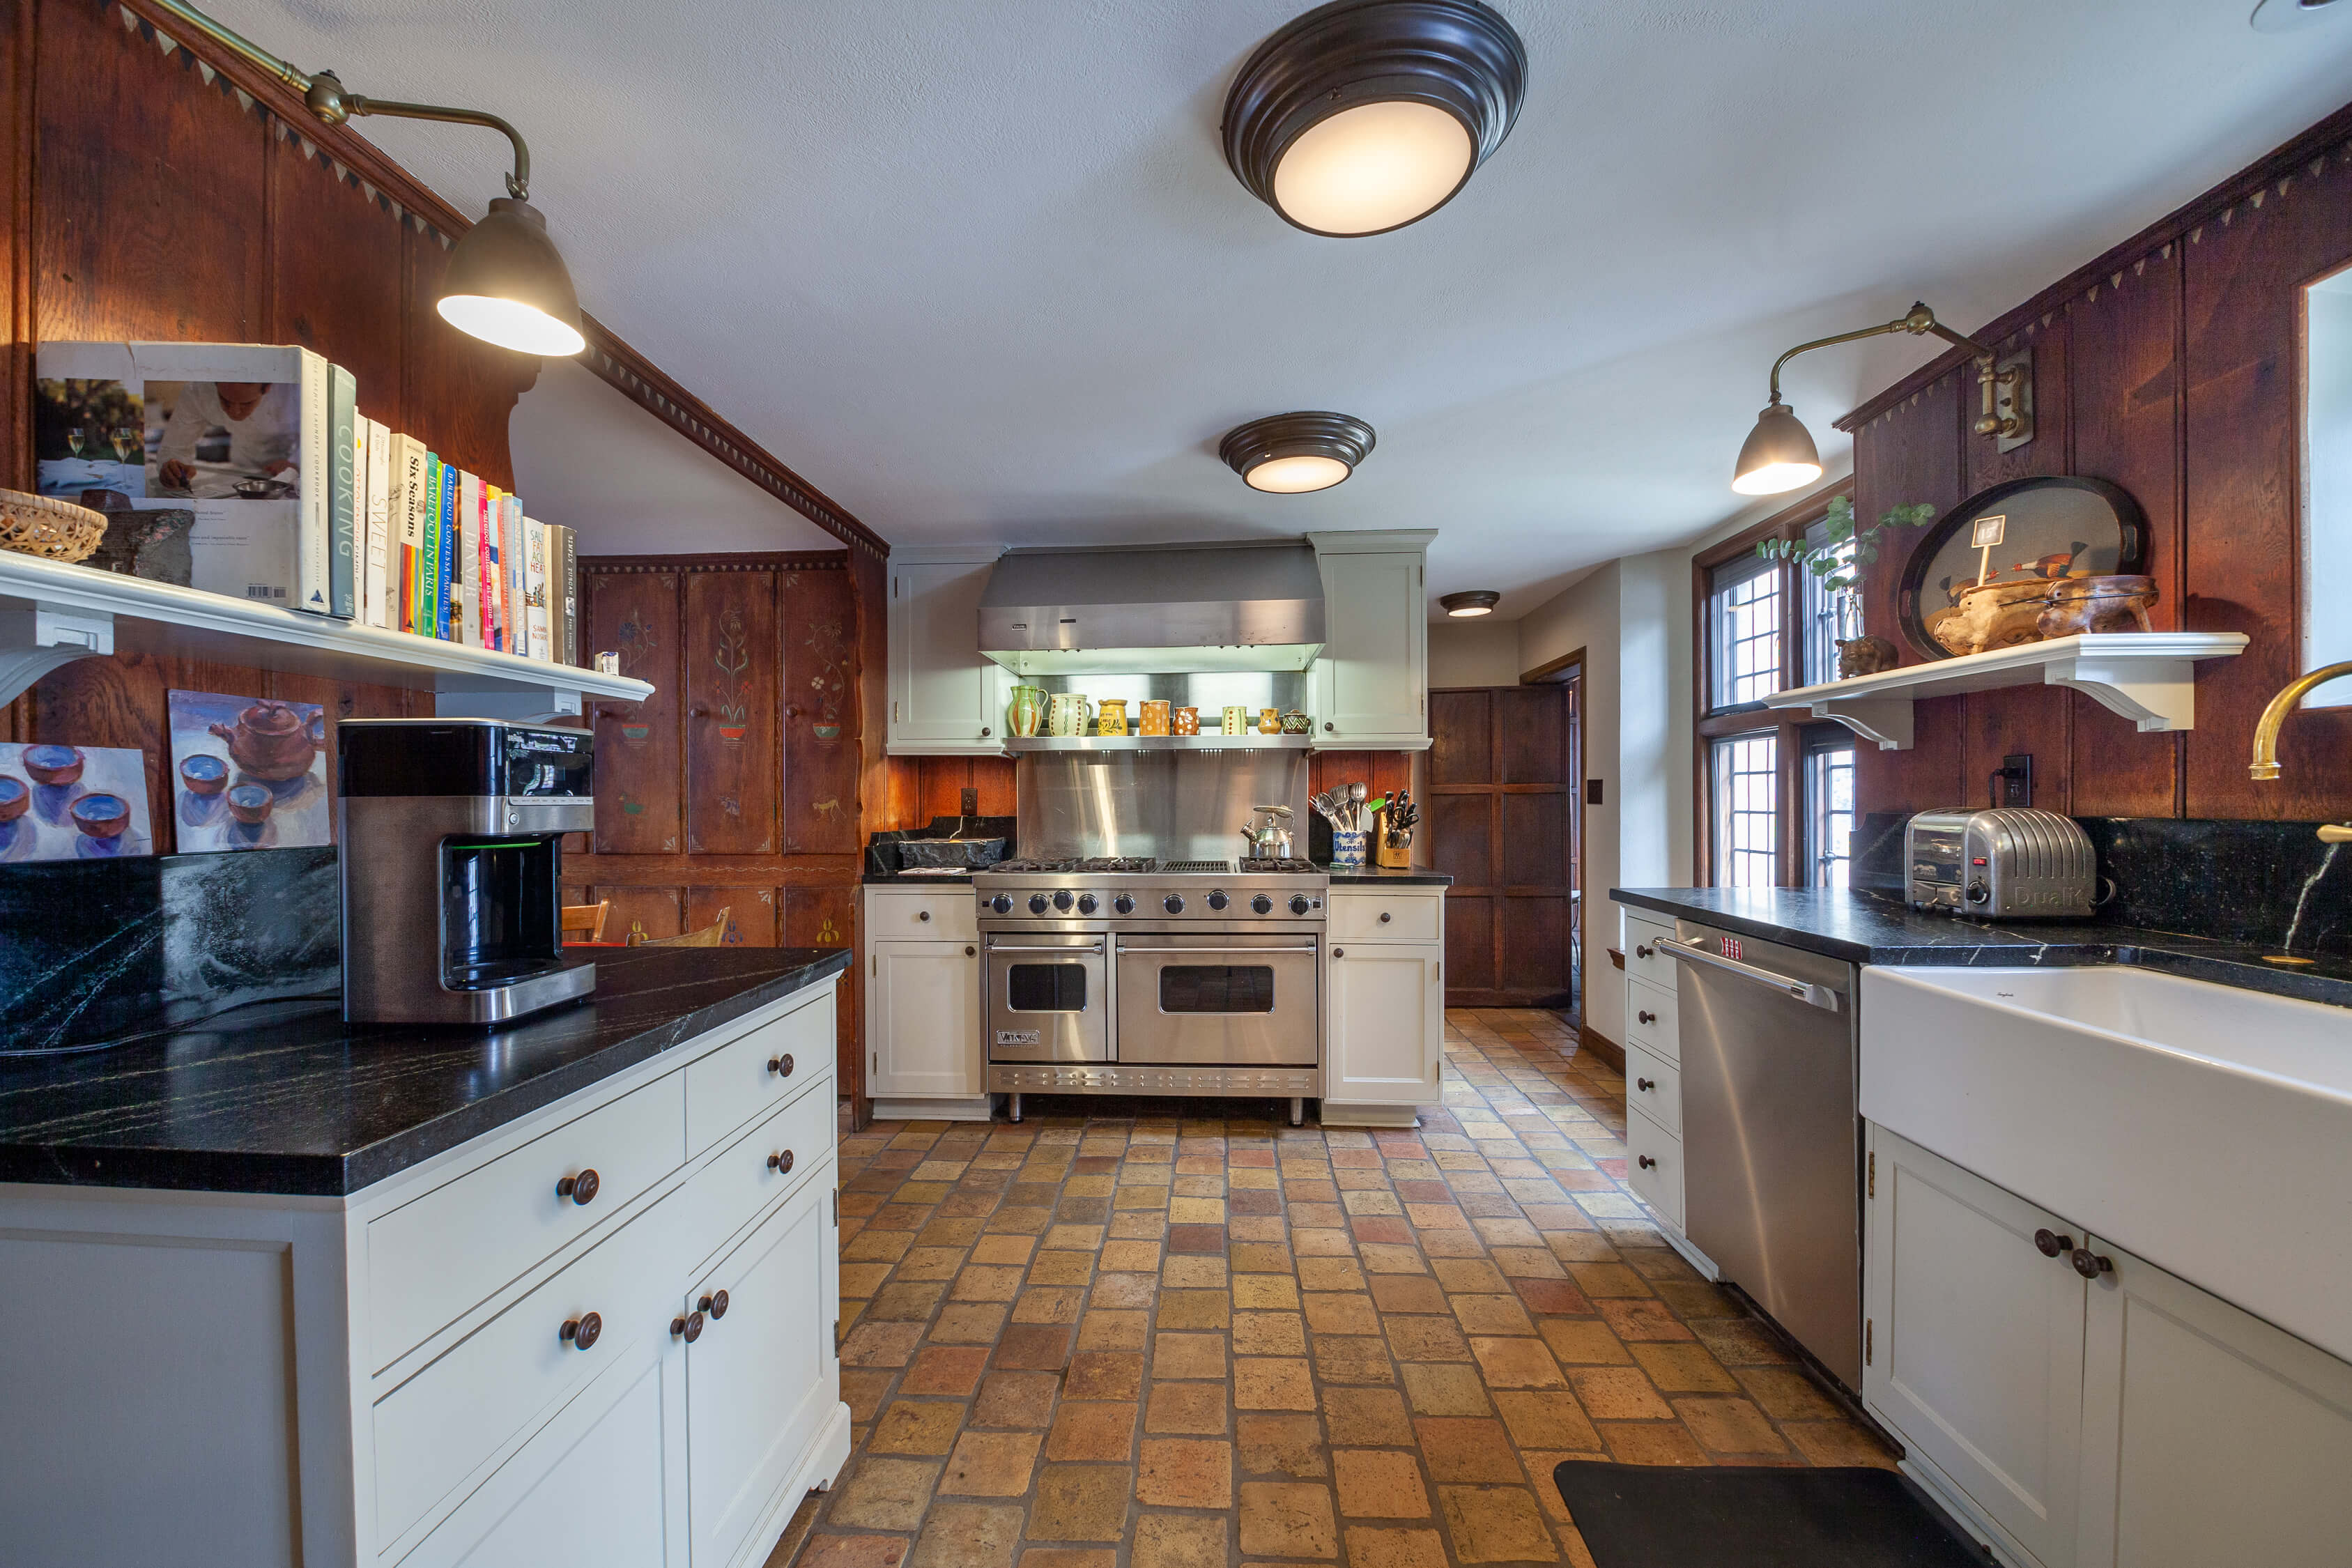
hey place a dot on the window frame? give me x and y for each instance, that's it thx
(1822, 740)
(1794, 810)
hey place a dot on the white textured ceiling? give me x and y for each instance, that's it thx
(976, 267)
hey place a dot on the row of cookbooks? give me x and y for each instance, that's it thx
(247, 469)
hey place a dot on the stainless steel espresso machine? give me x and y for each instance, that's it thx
(448, 841)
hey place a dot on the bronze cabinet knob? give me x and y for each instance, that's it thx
(1646, 1017)
(1648, 1163)
(1643, 950)
(971, 951)
(923, 914)
(581, 1189)
(689, 1327)
(986, 732)
(791, 710)
(699, 711)
(2052, 1243)
(1338, 953)
(780, 1163)
(1384, 917)
(581, 1331)
(1645, 1084)
(2090, 1265)
(715, 1304)
(782, 1066)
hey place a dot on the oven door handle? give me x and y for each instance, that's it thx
(1804, 991)
(1310, 947)
(1008, 947)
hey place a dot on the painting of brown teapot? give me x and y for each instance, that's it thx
(271, 741)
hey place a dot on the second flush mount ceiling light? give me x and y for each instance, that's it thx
(1362, 116)
(1290, 454)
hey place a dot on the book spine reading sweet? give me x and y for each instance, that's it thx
(374, 577)
(342, 493)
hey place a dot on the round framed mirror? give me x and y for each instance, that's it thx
(2045, 528)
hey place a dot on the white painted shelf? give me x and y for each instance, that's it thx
(52, 612)
(1251, 742)
(2149, 678)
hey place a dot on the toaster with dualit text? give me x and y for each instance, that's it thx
(2004, 863)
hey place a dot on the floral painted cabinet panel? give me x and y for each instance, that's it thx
(731, 755)
(820, 754)
(635, 615)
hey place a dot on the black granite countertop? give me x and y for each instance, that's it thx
(1401, 877)
(1861, 927)
(287, 1098)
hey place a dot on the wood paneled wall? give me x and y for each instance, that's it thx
(2171, 366)
(920, 788)
(148, 203)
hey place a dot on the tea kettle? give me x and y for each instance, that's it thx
(1272, 841)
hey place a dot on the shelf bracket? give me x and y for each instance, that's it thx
(1885, 720)
(2154, 694)
(36, 641)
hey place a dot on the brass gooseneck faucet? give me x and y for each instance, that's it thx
(2265, 765)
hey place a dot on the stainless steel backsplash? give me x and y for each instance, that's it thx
(1178, 806)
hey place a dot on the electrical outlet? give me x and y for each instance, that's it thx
(2017, 779)
(1593, 792)
(969, 805)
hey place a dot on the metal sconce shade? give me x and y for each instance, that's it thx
(1470, 602)
(1362, 116)
(1291, 454)
(507, 285)
(1780, 454)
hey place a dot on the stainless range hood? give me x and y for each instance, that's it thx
(1158, 609)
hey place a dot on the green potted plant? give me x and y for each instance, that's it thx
(1840, 570)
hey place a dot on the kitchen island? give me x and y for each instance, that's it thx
(316, 1292)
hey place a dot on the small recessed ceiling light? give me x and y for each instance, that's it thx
(1362, 116)
(1470, 602)
(2284, 16)
(1291, 454)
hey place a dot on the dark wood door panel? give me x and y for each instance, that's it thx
(727, 640)
(1530, 735)
(1532, 836)
(636, 613)
(1462, 837)
(1469, 944)
(1535, 947)
(1460, 738)
(818, 616)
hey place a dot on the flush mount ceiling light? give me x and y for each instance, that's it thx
(1470, 602)
(1778, 454)
(1364, 115)
(1291, 454)
(505, 283)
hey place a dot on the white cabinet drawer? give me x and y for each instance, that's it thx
(1653, 1166)
(758, 1072)
(1650, 1020)
(1653, 1085)
(750, 1173)
(1403, 915)
(949, 912)
(434, 1257)
(435, 1429)
(1644, 961)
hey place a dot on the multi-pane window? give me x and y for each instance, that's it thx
(1744, 612)
(1829, 799)
(1747, 796)
(1821, 623)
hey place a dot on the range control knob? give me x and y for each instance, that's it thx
(1087, 904)
(1124, 904)
(1217, 900)
(1062, 900)
(1036, 903)
(1261, 904)
(1300, 903)
(1001, 903)
(1174, 903)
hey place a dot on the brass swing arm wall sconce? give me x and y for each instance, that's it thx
(1780, 454)
(505, 283)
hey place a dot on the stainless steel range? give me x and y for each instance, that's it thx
(1127, 975)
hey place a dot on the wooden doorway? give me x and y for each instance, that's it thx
(1503, 823)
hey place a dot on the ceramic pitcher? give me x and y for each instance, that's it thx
(1024, 713)
(1113, 711)
(1069, 714)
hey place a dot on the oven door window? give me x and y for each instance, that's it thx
(1216, 988)
(1045, 988)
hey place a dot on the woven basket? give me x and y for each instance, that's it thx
(53, 530)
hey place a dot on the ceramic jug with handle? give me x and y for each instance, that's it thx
(1024, 713)
(1069, 714)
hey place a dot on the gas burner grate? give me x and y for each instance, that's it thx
(1288, 867)
(1211, 866)
(1072, 865)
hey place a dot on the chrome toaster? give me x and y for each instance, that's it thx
(2001, 863)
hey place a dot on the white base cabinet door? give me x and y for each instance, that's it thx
(1384, 1023)
(1974, 1342)
(2208, 1436)
(923, 1018)
(760, 1375)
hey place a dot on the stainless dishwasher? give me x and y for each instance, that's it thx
(1772, 1134)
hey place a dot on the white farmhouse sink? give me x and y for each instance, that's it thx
(2206, 1127)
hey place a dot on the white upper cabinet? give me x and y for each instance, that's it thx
(1371, 685)
(945, 698)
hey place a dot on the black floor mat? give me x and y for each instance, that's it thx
(1753, 1516)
